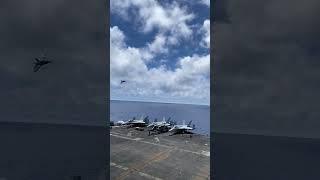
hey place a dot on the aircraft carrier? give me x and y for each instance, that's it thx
(135, 155)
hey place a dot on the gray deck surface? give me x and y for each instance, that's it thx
(135, 155)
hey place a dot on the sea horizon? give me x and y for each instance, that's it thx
(198, 114)
(161, 102)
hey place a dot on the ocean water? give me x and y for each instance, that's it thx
(199, 114)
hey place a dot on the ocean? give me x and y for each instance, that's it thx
(199, 114)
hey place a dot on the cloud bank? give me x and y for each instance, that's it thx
(187, 80)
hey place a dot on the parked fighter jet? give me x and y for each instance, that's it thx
(156, 124)
(160, 126)
(135, 122)
(181, 129)
(119, 123)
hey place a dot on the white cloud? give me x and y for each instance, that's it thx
(206, 2)
(196, 65)
(206, 34)
(189, 80)
(117, 38)
(159, 44)
(169, 19)
(125, 61)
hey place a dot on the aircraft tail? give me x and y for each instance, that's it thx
(146, 119)
(168, 120)
(189, 124)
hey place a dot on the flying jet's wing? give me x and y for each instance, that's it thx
(36, 68)
(37, 59)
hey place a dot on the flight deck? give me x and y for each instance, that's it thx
(136, 155)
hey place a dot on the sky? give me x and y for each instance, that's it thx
(161, 50)
(267, 67)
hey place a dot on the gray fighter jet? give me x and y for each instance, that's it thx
(39, 62)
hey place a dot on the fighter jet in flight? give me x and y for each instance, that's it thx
(38, 63)
(122, 81)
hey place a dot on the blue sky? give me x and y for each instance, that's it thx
(161, 49)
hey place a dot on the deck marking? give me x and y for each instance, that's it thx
(141, 165)
(137, 139)
(140, 173)
(118, 166)
(149, 176)
(204, 153)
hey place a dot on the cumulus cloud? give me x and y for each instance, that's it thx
(206, 34)
(189, 79)
(205, 2)
(152, 14)
(159, 44)
(169, 19)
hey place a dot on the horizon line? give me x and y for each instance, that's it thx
(159, 102)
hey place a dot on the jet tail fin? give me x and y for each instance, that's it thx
(168, 120)
(146, 119)
(189, 124)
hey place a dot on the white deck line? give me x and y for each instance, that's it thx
(140, 173)
(118, 166)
